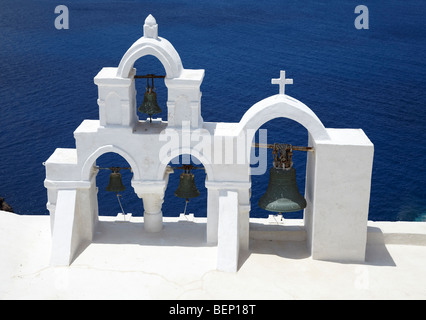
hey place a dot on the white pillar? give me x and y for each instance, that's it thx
(244, 228)
(117, 99)
(228, 231)
(338, 195)
(64, 234)
(212, 214)
(88, 209)
(153, 216)
(152, 194)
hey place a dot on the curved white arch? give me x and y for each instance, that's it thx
(88, 164)
(282, 106)
(179, 151)
(160, 48)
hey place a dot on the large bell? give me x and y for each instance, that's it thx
(187, 188)
(282, 194)
(149, 105)
(115, 183)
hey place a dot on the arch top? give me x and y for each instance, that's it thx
(90, 160)
(150, 28)
(151, 44)
(283, 106)
(161, 169)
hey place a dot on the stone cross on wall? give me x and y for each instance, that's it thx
(282, 81)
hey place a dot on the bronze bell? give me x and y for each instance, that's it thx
(149, 105)
(187, 188)
(282, 194)
(115, 182)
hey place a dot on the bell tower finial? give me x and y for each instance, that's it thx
(150, 28)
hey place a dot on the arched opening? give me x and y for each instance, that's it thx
(160, 48)
(108, 204)
(173, 206)
(278, 130)
(263, 114)
(150, 65)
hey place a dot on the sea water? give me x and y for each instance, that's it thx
(373, 79)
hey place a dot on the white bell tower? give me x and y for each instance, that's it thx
(338, 171)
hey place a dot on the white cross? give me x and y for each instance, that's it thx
(282, 81)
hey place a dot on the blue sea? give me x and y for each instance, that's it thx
(370, 79)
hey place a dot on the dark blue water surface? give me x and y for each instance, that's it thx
(371, 79)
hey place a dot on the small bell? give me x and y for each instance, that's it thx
(187, 188)
(115, 182)
(149, 105)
